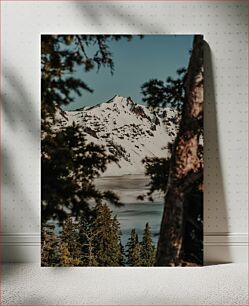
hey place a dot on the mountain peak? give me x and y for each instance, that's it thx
(128, 130)
(121, 100)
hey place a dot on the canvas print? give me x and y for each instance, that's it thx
(121, 150)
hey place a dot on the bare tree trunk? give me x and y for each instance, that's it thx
(186, 168)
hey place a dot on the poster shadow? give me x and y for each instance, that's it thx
(214, 194)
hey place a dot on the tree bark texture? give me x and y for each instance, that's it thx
(186, 169)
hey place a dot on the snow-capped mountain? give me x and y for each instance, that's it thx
(129, 130)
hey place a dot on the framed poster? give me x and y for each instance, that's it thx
(122, 174)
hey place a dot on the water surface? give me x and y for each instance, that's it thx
(134, 213)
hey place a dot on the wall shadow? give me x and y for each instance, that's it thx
(123, 16)
(215, 208)
(20, 120)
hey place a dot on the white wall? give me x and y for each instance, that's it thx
(224, 25)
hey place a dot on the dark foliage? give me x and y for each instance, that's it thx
(133, 250)
(158, 170)
(170, 93)
(69, 167)
(148, 250)
(140, 253)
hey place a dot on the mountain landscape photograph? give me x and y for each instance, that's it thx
(121, 150)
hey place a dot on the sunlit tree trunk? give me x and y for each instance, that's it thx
(186, 167)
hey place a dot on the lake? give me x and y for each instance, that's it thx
(134, 213)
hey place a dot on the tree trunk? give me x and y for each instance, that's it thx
(186, 169)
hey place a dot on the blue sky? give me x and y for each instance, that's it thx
(137, 61)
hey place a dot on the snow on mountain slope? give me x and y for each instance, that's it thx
(129, 130)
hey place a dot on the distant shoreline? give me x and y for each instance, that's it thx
(128, 187)
(134, 176)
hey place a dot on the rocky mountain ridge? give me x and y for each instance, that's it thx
(127, 129)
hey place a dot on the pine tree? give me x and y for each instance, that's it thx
(122, 260)
(147, 248)
(66, 258)
(118, 248)
(49, 246)
(185, 180)
(87, 241)
(133, 250)
(107, 239)
(69, 240)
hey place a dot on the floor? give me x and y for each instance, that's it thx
(29, 284)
